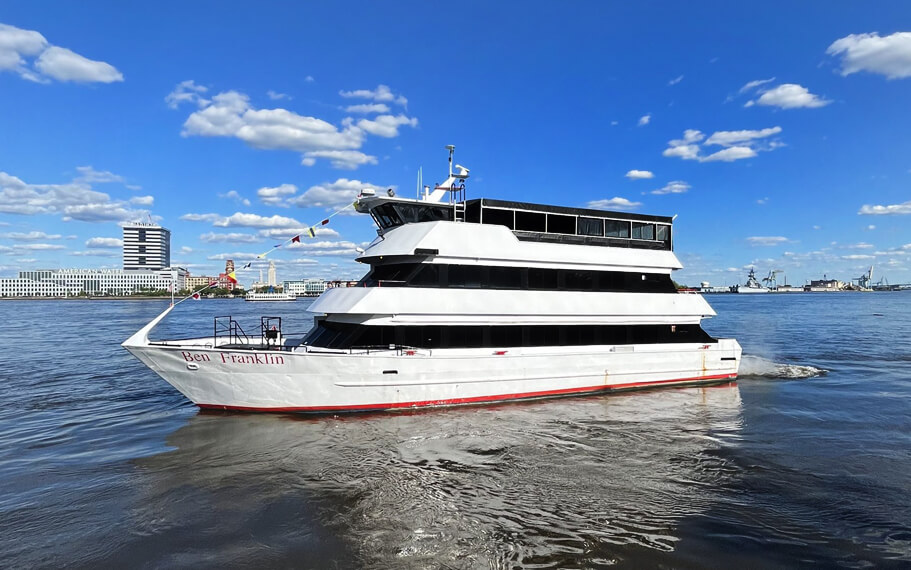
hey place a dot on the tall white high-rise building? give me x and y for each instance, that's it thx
(272, 281)
(146, 246)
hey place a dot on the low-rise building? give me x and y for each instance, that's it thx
(305, 287)
(95, 282)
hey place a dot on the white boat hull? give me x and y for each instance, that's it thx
(314, 380)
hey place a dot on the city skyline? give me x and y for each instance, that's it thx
(775, 135)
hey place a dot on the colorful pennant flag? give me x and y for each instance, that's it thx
(195, 296)
(296, 239)
(247, 266)
(324, 222)
(311, 232)
(232, 277)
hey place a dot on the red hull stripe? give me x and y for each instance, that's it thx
(475, 400)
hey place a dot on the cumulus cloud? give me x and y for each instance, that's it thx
(90, 175)
(639, 174)
(615, 203)
(276, 196)
(767, 240)
(855, 256)
(644, 119)
(368, 108)
(287, 233)
(876, 210)
(30, 236)
(104, 242)
(885, 55)
(326, 248)
(142, 200)
(333, 194)
(187, 92)
(65, 65)
(275, 96)
(674, 187)
(382, 94)
(386, 125)
(239, 219)
(235, 196)
(18, 46)
(789, 96)
(73, 201)
(230, 114)
(738, 144)
(233, 237)
(341, 159)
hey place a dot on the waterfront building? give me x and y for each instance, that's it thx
(146, 246)
(305, 287)
(94, 282)
(272, 281)
(196, 281)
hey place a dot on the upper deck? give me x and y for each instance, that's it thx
(531, 222)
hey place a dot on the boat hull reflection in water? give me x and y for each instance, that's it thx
(578, 482)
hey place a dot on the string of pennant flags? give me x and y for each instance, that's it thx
(232, 276)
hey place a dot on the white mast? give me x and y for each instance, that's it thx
(451, 183)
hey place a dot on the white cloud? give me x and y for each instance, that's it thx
(187, 91)
(874, 210)
(287, 233)
(18, 45)
(309, 79)
(738, 138)
(230, 114)
(368, 108)
(239, 219)
(341, 159)
(739, 144)
(754, 84)
(762, 201)
(90, 175)
(644, 119)
(639, 174)
(276, 196)
(65, 65)
(334, 194)
(74, 201)
(789, 96)
(871, 227)
(767, 240)
(30, 236)
(674, 187)
(859, 245)
(615, 203)
(854, 256)
(275, 96)
(381, 94)
(103, 242)
(730, 154)
(39, 247)
(142, 200)
(212, 237)
(886, 55)
(326, 248)
(235, 196)
(386, 125)
(675, 80)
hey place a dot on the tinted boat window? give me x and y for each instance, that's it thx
(591, 227)
(616, 228)
(643, 231)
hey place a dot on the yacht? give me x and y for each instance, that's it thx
(270, 296)
(466, 302)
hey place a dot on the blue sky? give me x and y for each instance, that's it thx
(778, 134)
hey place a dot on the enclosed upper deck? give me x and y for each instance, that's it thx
(532, 222)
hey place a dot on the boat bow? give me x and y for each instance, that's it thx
(141, 337)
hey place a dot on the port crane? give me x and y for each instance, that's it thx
(770, 280)
(865, 281)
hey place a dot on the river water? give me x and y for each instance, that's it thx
(805, 461)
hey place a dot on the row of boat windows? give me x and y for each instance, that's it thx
(343, 335)
(390, 215)
(531, 278)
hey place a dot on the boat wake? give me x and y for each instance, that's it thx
(758, 367)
